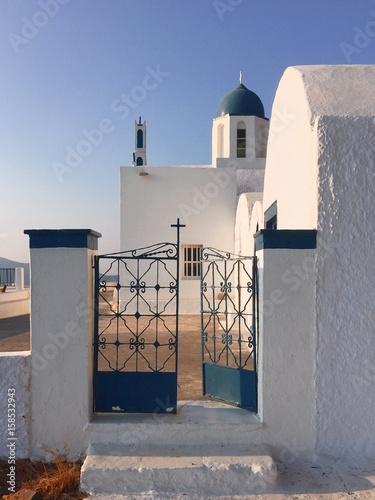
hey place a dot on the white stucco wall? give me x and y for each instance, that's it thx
(320, 170)
(15, 382)
(244, 238)
(257, 218)
(291, 157)
(203, 198)
(249, 180)
(286, 364)
(345, 378)
(61, 348)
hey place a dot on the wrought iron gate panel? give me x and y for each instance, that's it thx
(136, 329)
(229, 327)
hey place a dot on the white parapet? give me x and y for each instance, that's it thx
(15, 411)
(14, 303)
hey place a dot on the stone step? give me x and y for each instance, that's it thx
(196, 422)
(203, 471)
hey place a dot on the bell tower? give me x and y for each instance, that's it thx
(139, 155)
(240, 131)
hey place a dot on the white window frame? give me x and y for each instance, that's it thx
(190, 262)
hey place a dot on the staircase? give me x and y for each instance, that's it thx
(206, 450)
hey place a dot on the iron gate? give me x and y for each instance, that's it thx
(136, 329)
(229, 327)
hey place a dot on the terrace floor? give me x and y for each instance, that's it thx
(15, 333)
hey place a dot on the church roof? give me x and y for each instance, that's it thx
(240, 101)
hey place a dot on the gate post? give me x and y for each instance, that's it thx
(287, 312)
(61, 337)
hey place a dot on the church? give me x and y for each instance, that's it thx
(214, 202)
(305, 216)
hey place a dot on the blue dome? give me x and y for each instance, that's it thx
(240, 101)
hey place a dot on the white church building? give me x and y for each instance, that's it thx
(306, 210)
(213, 201)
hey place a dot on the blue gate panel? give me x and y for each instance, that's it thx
(136, 329)
(136, 392)
(231, 385)
(229, 319)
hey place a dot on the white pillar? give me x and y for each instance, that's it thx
(61, 338)
(287, 340)
(20, 278)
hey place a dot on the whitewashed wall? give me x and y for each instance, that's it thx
(320, 170)
(257, 218)
(291, 165)
(61, 264)
(61, 348)
(15, 383)
(244, 236)
(345, 376)
(203, 198)
(286, 363)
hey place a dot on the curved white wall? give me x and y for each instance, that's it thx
(304, 94)
(291, 170)
(244, 237)
(257, 219)
(320, 170)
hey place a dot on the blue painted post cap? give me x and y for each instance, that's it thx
(63, 238)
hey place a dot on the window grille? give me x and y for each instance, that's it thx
(190, 261)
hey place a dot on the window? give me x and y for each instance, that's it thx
(241, 140)
(139, 161)
(139, 139)
(270, 216)
(190, 262)
(272, 223)
(220, 141)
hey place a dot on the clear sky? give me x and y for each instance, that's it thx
(71, 66)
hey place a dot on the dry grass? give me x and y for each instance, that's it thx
(54, 481)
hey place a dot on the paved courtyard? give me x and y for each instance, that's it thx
(15, 333)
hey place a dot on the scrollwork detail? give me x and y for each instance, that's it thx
(137, 286)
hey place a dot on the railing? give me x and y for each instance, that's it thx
(7, 276)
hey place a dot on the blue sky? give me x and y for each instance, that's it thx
(69, 66)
